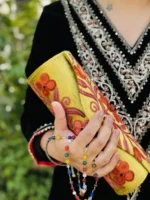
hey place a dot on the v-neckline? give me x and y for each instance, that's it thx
(129, 78)
(138, 42)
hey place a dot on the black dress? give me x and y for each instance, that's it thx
(121, 73)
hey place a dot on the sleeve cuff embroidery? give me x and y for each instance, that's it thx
(37, 133)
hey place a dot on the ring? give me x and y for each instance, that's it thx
(94, 164)
(95, 175)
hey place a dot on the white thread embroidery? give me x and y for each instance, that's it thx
(132, 78)
(139, 42)
(94, 69)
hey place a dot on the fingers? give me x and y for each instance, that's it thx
(87, 134)
(102, 138)
(106, 155)
(110, 149)
(103, 171)
(60, 117)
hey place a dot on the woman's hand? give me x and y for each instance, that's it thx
(101, 148)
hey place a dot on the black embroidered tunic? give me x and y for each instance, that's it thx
(120, 71)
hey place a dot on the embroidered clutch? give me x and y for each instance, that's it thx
(62, 79)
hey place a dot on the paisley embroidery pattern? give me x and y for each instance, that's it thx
(99, 102)
(132, 78)
(139, 125)
(97, 74)
(141, 122)
(77, 125)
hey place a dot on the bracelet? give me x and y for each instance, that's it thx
(41, 130)
(44, 129)
(70, 171)
(46, 149)
(83, 187)
(49, 157)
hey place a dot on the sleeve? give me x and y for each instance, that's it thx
(46, 43)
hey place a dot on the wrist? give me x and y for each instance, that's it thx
(51, 150)
(45, 138)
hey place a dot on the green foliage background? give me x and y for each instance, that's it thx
(20, 179)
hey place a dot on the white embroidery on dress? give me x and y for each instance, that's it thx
(139, 125)
(134, 195)
(132, 78)
(139, 42)
(142, 121)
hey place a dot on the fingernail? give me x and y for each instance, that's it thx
(109, 118)
(117, 132)
(100, 113)
(53, 104)
(117, 155)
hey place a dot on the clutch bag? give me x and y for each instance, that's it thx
(62, 79)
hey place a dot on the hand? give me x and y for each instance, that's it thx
(101, 148)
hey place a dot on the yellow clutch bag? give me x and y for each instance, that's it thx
(62, 79)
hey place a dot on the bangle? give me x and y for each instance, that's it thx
(70, 138)
(49, 157)
(39, 132)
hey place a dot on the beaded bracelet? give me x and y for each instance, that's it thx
(69, 171)
(81, 191)
(46, 151)
(44, 129)
(84, 186)
(56, 138)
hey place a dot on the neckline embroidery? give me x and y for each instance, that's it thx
(139, 41)
(97, 74)
(89, 59)
(132, 78)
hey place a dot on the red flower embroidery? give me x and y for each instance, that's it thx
(138, 154)
(79, 72)
(78, 126)
(45, 84)
(121, 173)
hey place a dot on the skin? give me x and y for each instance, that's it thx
(130, 19)
(106, 140)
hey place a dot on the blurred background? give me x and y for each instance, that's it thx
(20, 179)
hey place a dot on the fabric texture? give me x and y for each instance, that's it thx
(34, 146)
(81, 99)
(52, 36)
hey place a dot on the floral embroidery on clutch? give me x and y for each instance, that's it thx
(81, 98)
(45, 84)
(121, 173)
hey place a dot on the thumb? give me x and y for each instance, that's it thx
(60, 117)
